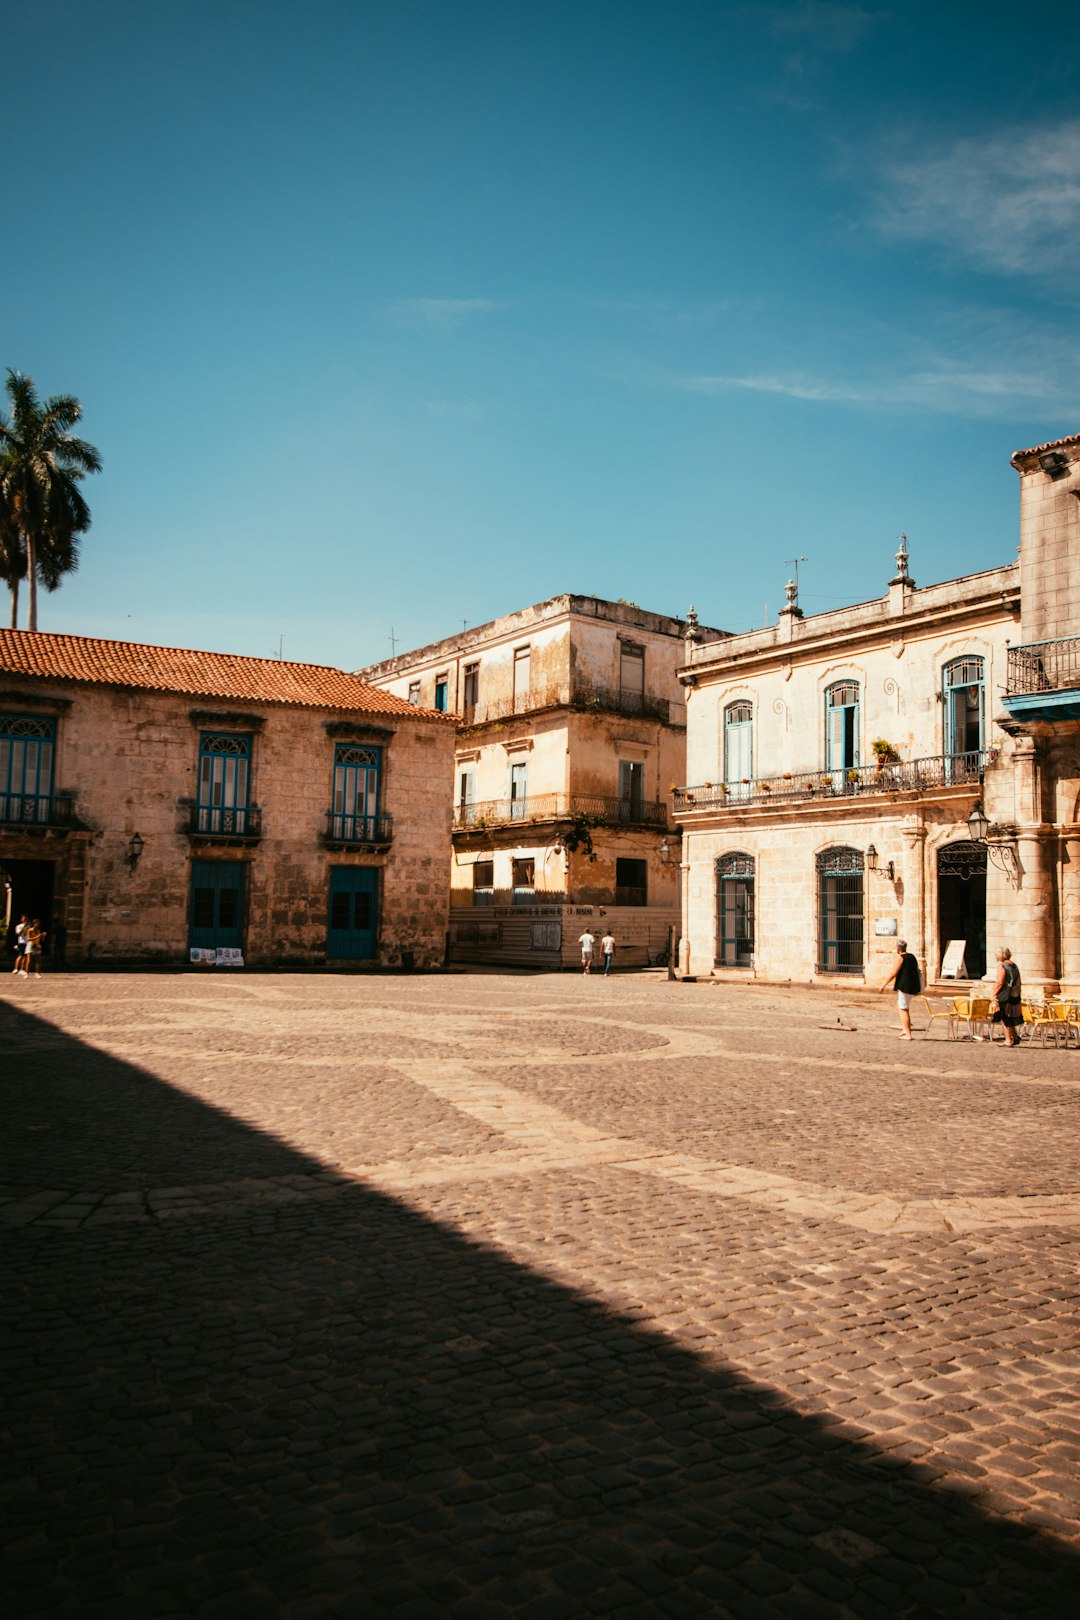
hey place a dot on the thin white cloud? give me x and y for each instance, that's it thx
(1008, 202)
(824, 28)
(443, 314)
(943, 387)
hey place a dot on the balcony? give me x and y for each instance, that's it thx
(1043, 680)
(37, 811)
(357, 832)
(224, 824)
(905, 776)
(604, 811)
(583, 697)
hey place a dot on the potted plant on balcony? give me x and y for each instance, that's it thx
(884, 753)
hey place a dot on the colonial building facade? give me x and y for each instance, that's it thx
(833, 764)
(165, 805)
(906, 767)
(571, 738)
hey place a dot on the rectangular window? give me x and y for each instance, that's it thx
(519, 787)
(442, 683)
(354, 807)
(466, 798)
(414, 693)
(483, 883)
(521, 675)
(631, 789)
(26, 768)
(631, 676)
(524, 881)
(471, 685)
(631, 882)
(224, 782)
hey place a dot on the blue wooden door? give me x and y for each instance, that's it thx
(216, 919)
(351, 930)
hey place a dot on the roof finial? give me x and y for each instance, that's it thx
(902, 577)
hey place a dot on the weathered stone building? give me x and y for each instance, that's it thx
(571, 738)
(833, 763)
(908, 766)
(1034, 810)
(164, 805)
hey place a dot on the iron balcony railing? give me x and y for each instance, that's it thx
(607, 811)
(37, 809)
(1043, 666)
(903, 776)
(358, 829)
(583, 696)
(225, 821)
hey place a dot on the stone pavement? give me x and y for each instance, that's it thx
(531, 1296)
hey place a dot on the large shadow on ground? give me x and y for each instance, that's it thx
(336, 1407)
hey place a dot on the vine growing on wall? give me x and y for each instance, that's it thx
(578, 836)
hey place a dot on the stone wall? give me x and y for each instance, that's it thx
(131, 761)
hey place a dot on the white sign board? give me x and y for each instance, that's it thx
(952, 963)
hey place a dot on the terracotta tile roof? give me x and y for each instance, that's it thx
(1051, 444)
(42, 655)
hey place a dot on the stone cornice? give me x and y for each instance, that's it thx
(866, 626)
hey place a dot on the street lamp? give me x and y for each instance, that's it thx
(136, 845)
(978, 823)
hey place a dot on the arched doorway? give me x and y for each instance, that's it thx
(962, 901)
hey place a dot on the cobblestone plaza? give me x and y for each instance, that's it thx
(492, 1296)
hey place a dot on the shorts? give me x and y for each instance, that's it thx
(904, 998)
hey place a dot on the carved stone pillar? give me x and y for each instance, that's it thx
(1034, 933)
(1070, 909)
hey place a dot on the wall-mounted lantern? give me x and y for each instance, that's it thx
(135, 848)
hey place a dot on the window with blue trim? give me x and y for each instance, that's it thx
(842, 726)
(354, 814)
(962, 696)
(27, 747)
(738, 748)
(224, 783)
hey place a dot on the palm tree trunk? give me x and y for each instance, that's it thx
(31, 583)
(14, 588)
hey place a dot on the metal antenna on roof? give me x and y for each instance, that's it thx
(393, 642)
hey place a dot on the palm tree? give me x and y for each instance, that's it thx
(42, 510)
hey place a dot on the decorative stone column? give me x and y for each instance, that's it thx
(1070, 908)
(914, 875)
(1033, 942)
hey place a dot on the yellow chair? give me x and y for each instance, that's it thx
(1064, 1023)
(941, 1009)
(978, 1012)
(1038, 1018)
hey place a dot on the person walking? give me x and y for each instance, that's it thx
(35, 939)
(21, 957)
(1006, 993)
(607, 951)
(905, 977)
(586, 941)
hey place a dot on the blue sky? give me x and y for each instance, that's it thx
(396, 314)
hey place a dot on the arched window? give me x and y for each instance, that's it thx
(735, 910)
(840, 910)
(842, 726)
(962, 697)
(738, 748)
